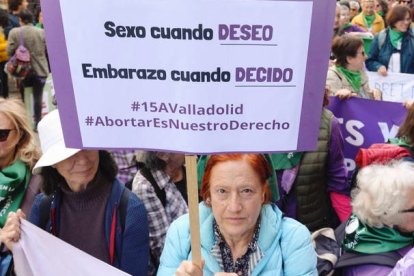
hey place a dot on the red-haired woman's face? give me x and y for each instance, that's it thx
(236, 198)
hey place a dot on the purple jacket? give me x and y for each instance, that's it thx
(382, 270)
(353, 28)
(405, 266)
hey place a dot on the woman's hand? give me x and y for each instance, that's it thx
(376, 93)
(345, 94)
(408, 104)
(188, 268)
(382, 71)
(11, 230)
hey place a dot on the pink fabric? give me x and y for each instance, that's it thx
(342, 205)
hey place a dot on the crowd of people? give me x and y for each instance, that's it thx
(257, 211)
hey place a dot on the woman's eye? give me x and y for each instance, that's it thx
(221, 191)
(247, 191)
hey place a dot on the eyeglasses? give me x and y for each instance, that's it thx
(4, 134)
(411, 210)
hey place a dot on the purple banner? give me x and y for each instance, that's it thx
(365, 122)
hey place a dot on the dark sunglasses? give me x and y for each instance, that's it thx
(4, 134)
(411, 210)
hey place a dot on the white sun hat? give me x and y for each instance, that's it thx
(52, 142)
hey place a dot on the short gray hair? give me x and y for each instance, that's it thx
(381, 193)
(354, 4)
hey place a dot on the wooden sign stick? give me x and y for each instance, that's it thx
(192, 191)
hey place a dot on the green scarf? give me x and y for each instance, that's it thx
(346, 26)
(380, 13)
(283, 161)
(14, 180)
(368, 19)
(400, 141)
(395, 37)
(353, 77)
(362, 238)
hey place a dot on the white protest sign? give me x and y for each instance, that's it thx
(395, 87)
(188, 76)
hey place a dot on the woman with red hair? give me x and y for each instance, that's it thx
(241, 232)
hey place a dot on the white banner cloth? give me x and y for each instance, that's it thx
(40, 253)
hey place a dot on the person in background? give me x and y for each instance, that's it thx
(85, 203)
(4, 57)
(349, 28)
(406, 3)
(33, 6)
(393, 49)
(381, 8)
(34, 41)
(336, 29)
(412, 17)
(347, 77)
(127, 167)
(15, 7)
(39, 19)
(313, 185)
(391, 3)
(368, 19)
(354, 8)
(241, 232)
(161, 185)
(18, 154)
(383, 215)
(345, 21)
(405, 134)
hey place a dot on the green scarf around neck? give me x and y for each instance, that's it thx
(283, 161)
(346, 26)
(369, 19)
(14, 180)
(395, 38)
(400, 141)
(362, 238)
(353, 77)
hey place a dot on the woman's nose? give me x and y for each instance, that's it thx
(81, 157)
(235, 203)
